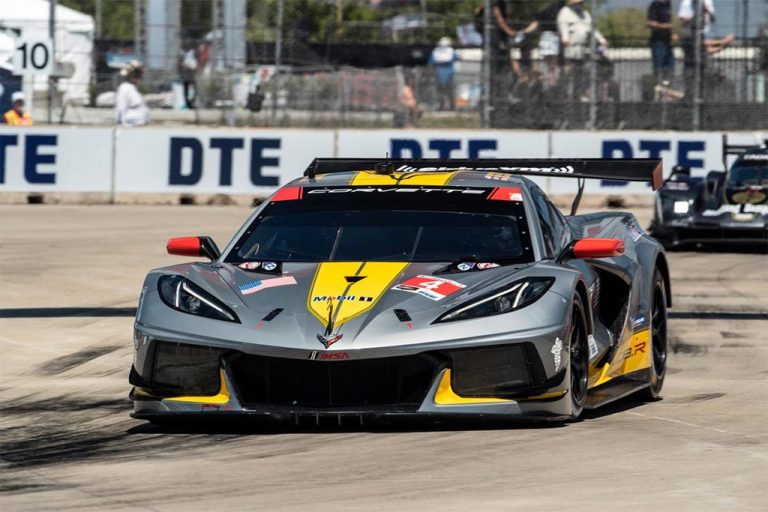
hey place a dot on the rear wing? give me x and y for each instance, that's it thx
(738, 149)
(645, 170)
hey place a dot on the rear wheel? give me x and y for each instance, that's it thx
(579, 357)
(658, 338)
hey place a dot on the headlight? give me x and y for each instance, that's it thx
(181, 294)
(510, 298)
(681, 207)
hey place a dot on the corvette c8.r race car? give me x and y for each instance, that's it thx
(724, 208)
(417, 288)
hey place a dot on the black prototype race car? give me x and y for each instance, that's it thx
(729, 207)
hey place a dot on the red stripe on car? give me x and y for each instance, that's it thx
(506, 194)
(288, 194)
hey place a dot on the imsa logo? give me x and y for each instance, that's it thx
(328, 356)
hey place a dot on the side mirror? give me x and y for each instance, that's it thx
(714, 181)
(194, 246)
(598, 248)
(588, 248)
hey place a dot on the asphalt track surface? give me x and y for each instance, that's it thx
(69, 280)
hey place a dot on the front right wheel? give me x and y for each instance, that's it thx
(658, 338)
(579, 357)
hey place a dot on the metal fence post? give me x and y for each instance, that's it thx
(744, 44)
(52, 35)
(592, 122)
(278, 57)
(698, 19)
(485, 112)
(139, 29)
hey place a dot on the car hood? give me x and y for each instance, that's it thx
(340, 304)
(738, 193)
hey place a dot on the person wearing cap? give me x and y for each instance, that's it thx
(443, 59)
(130, 109)
(16, 116)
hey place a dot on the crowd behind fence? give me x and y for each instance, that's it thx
(372, 63)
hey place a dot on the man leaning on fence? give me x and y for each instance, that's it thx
(659, 20)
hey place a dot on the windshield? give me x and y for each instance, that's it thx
(745, 176)
(384, 226)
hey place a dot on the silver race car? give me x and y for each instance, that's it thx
(428, 288)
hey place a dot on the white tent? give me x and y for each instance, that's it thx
(6, 51)
(74, 39)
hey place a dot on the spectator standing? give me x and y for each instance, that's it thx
(410, 110)
(687, 13)
(549, 40)
(710, 45)
(16, 116)
(575, 26)
(500, 60)
(659, 20)
(130, 109)
(188, 70)
(444, 58)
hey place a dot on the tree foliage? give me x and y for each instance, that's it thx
(624, 27)
(320, 21)
(117, 17)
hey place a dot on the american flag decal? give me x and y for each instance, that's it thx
(261, 284)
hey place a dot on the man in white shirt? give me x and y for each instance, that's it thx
(575, 26)
(130, 109)
(710, 45)
(686, 13)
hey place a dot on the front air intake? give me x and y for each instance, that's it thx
(281, 382)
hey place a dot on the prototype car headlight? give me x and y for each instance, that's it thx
(681, 207)
(510, 298)
(183, 295)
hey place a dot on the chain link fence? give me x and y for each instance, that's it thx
(378, 63)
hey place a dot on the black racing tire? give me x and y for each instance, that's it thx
(578, 358)
(658, 339)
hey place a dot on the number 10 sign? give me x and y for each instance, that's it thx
(33, 57)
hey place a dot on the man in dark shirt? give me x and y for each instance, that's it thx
(549, 40)
(659, 20)
(500, 61)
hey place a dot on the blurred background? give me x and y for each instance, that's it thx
(393, 63)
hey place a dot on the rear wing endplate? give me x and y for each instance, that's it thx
(644, 170)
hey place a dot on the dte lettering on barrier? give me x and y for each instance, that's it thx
(412, 148)
(190, 150)
(621, 148)
(33, 157)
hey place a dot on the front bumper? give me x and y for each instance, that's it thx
(521, 373)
